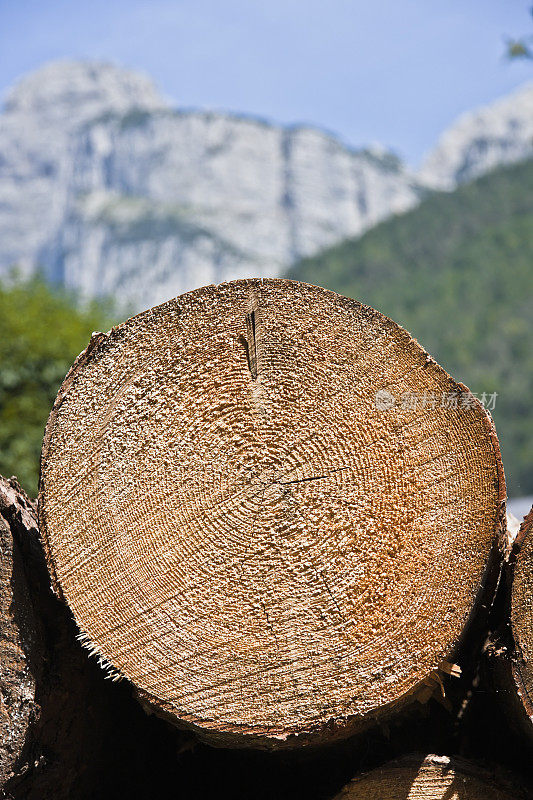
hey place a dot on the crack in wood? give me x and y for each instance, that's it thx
(251, 349)
(313, 477)
(269, 624)
(334, 601)
(249, 342)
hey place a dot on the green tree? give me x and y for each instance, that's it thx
(521, 47)
(41, 332)
(457, 272)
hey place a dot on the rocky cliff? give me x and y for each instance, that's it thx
(108, 191)
(481, 140)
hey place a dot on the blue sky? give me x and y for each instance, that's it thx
(389, 71)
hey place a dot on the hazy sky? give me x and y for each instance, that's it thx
(389, 71)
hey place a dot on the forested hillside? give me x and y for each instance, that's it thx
(457, 272)
(41, 333)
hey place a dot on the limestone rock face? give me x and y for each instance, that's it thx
(38, 129)
(481, 140)
(108, 190)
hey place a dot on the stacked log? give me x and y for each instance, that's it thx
(270, 510)
(510, 646)
(432, 777)
(522, 619)
(272, 518)
(22, 652)
(66, 733)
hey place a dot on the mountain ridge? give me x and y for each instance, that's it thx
(456, 272)
(223, 194)
(482, 139)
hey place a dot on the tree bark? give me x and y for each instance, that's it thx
(271, 510)
(522, 617)
(21, 641)
(419, 777)
(510, 650)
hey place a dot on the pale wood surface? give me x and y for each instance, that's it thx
(242, 532)
(432, 778)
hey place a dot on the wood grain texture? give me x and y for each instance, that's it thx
(433, 778)
(522, 621)
(65, 732)
(21, 645)
(245, 530)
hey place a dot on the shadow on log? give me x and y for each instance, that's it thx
(268, 555)
(431, 777)
(509, 652)
(522, 622)
(66, 732)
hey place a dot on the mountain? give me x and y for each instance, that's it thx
(481, 140)
(457, 273)
(108, 191)
(38, 131)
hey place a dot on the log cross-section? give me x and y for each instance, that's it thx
(432, 777)
(521, 661)
(269, 509)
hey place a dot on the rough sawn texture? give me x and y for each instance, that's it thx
(247, 529)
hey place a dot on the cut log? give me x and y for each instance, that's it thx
(521, 662)
(65, 731)
(433, 778)
(270, 510)
(21, 644)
